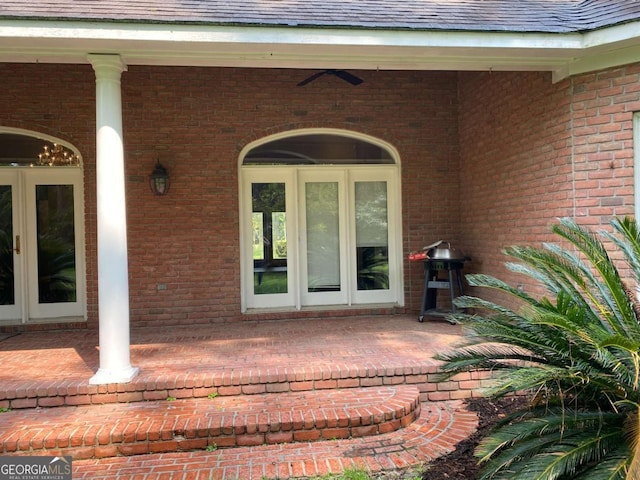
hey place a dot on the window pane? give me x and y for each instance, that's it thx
(279, 228)
(269, 266)
(7, 292)
(258, 235)
(323, 237)
(56, 244)
(372, 246)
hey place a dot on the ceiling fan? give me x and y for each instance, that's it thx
(344, 75)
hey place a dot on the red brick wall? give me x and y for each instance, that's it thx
(488, 160)
(603, 107)
(533, 151)
(195, 121)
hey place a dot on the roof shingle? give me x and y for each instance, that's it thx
(550, 16)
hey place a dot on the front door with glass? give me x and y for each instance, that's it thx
(40, 245)
(376, 249)
(320, 237)
(323, 243)
(269, 280)
(10, 250)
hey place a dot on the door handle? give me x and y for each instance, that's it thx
(17, 249)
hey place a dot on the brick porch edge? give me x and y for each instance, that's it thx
(16, 395)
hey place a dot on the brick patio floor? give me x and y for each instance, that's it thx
(249, 367)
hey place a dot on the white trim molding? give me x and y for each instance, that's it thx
(562, 54)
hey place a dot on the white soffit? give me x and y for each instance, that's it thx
(297, 47)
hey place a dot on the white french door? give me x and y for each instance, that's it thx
(315, 236)
(10, 250)
(41, 245)
(324, 273)
(375, 236)
(269, 258)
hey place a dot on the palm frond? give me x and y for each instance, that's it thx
(568, 457)
(551, 443)
(557, 271)
(578, 349)
(627, 240)
(613, 467)
(620, 314)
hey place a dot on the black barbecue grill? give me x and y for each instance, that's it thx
(442, 271)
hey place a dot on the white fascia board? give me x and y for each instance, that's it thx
(164, 33)
(620, 35)
(69, 42)
(609, 59)
(298, 47)
(606, 48)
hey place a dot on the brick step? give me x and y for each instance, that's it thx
(180, 425)
(437, 430)
(238, 381)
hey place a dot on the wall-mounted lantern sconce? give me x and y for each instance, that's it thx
(159, 180)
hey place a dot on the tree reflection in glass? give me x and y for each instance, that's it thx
(56, 244)
(269, 238)
(7, 291)
(372, 235)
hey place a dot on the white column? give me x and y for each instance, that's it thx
(113, 275)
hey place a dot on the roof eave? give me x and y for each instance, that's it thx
(304, 47)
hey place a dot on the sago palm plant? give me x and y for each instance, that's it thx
(576, 352)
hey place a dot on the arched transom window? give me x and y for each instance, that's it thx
(318, 149)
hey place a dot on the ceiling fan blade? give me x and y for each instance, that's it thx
(346, 76)
(342, 74)
(311, 78)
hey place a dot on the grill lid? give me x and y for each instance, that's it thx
(442, 250)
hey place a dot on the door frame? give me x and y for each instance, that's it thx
(394, 294)
(27, 307)
(12, 314)
(391, 173)
(322, 175)
(249, 298)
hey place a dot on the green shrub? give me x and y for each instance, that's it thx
(576, 352)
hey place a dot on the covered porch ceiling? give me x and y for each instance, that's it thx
(562, 54)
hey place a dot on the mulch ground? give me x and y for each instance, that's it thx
(461, 463)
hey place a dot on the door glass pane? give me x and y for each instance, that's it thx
(372, 244)
(56, 244)
(7, 289)
(323, 237)
(258, 235)
(279, 232)
(269, 238)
